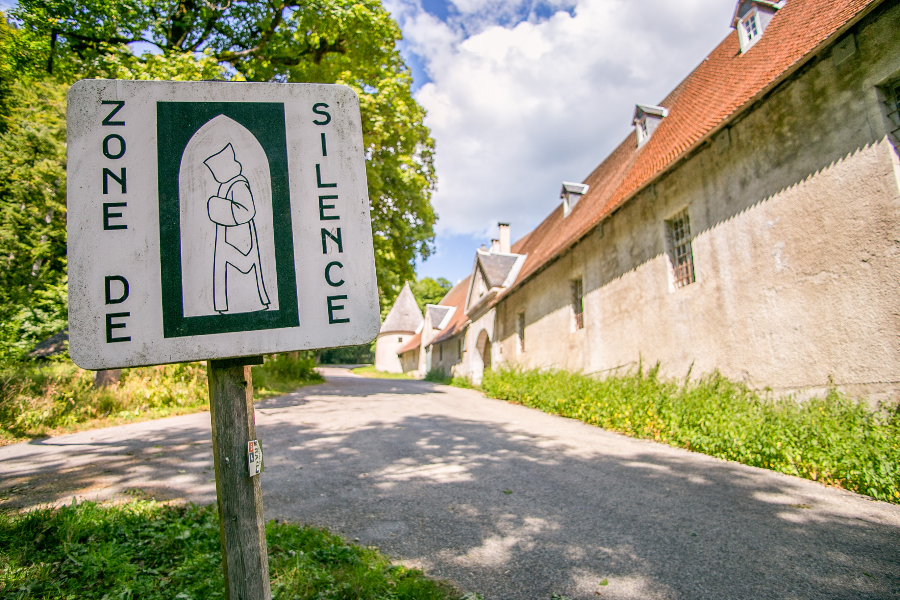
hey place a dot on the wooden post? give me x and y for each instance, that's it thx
(242, 527)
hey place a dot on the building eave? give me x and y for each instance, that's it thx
(704, 140)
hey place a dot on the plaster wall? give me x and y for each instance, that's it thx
(386, 347)
(410, 361)
(446, 356)
(473, 361)
(795, 215)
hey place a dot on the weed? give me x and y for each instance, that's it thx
(437, 376)
(284, 373)
(39, 399)
(463, 381)
(834, 440)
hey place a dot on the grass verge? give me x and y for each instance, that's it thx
(153, 551)
(436, 376)
(834, 440)
(371, 371)
(38, 400)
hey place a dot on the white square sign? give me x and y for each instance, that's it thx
(215, 220)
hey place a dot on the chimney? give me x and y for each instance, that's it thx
(495, 245)
(504, 237)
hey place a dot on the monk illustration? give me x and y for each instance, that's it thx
(232, 210)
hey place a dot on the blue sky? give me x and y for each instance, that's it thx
(522, 95)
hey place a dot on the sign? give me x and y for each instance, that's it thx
(214, 220)
(254, 458)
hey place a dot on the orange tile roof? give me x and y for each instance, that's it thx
(455, 297)
(717, 90)
(412, 344)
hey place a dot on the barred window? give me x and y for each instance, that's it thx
(520, 330)
(892, 101)
(680, 253)
(578, 303)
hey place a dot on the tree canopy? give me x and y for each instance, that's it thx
(52, 43)
(430, 291)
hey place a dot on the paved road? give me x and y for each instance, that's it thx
(501, 499)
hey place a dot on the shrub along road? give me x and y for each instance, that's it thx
(500, 499)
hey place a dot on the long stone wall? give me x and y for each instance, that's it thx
(795, 218)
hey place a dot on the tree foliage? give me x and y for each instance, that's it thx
(53, 43)
(320, 41)
(430, 291)
(32, 202)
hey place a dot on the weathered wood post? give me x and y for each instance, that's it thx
(169, 183)
(242, 527)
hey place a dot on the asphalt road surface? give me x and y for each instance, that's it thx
(499, 499)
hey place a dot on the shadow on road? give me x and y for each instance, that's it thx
(501, 499)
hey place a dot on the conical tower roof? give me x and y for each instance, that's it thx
(404, 315)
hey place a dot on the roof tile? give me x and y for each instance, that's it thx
(716, 90)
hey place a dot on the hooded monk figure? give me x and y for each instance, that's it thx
(232, 210)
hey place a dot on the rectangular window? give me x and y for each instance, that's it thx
(892, 102)
(400, 339)
(520, 330)
(680, 253)
(578, 304)
(750, 27)
(440, 352)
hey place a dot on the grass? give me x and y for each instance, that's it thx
(438, 376)
(152, 551)
(833, 440)
(51, 398)
(371, 371)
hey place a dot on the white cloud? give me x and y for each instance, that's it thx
(515, 110)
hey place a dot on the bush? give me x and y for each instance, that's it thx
(44, 398)
(283, 373)
(437, 376)
(152, 551)
(348, 355)
(834, 440)
(37, 399)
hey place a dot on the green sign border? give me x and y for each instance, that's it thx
(176, 124)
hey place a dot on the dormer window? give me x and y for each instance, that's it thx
(751, 17)
(571, 193)
(646, 119)
(749, 30)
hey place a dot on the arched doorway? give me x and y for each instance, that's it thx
(483, 355)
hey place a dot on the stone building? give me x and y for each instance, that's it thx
(750, 224)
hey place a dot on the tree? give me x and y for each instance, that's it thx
(33, 282)
(32, 201)
(430, 291)
(318, 41)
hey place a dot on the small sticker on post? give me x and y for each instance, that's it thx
(254, 457)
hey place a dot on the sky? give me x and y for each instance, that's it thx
(522, 96)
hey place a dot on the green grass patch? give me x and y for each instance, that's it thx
(50, 398)
(437, 376)
(152, 551)
(834, 440)
(283, 373)
(371, 371)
